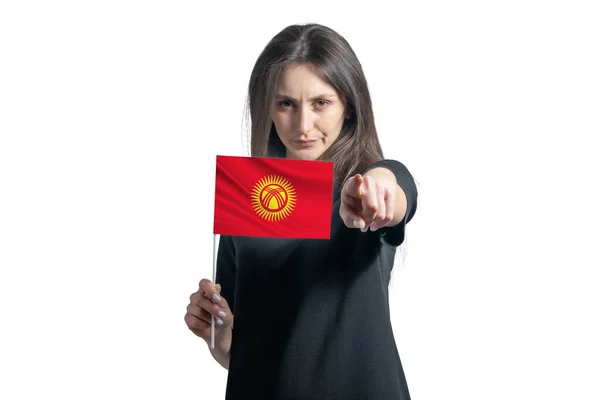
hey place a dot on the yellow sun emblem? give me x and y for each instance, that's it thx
(273, 198)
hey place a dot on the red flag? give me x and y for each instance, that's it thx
(273, 197)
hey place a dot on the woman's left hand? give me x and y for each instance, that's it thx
(370, 200)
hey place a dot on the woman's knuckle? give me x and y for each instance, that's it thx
(195, 324)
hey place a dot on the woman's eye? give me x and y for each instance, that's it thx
(285, 103)
(322, 103)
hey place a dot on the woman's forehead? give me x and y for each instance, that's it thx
(305, 80)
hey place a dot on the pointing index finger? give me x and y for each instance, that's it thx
(360, 181)
(354, 186)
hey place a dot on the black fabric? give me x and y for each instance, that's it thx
(311, 317)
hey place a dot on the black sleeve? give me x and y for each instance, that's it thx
(395, 235)
(226, 269)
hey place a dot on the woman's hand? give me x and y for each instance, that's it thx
(372, 200)
(207, 302)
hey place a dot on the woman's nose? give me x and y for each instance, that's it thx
(305, 123)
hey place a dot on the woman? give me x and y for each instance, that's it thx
(312, 316)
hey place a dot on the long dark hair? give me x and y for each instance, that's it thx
(357, 146)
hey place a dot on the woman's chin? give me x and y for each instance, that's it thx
(306, 155)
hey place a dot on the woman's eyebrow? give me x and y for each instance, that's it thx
(281, 96)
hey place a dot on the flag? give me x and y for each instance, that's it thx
(273, 197)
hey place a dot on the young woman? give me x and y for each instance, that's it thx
(309, 319)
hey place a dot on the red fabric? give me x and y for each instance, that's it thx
(247, 186)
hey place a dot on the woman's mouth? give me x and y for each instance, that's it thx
(305, 143)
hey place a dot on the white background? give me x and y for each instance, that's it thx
(112, 112)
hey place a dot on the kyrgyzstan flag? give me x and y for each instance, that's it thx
(273, 197)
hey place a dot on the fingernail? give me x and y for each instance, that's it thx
(216, 297)
(373, 229)
(222, 314)
(355, 223)
(366, 228)
(219, 322)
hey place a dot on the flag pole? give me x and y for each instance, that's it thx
(214, 279)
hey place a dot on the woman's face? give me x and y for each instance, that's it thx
(307, 112)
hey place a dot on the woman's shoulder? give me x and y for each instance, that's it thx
(394, 165)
